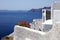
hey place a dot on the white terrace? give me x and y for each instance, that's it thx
(22, 33)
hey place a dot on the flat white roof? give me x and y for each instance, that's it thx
(49, 22)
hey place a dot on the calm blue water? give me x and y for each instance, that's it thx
(9, 18)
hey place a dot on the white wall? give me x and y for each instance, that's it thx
(23, 33)
(56, 15)
(55, 10)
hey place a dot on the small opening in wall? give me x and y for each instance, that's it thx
(43, 11)
(48, 15)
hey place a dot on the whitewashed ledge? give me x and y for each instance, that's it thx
(23, 33)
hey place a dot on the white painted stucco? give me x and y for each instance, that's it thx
(23, 33)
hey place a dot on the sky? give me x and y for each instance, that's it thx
(24, 4)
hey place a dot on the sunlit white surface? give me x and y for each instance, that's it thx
(48, 22)
(56, 15)
(27, 39)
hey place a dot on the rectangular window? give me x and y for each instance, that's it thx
(48, 15)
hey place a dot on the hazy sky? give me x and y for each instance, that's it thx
(23, 4)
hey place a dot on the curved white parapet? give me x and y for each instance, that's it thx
(23, 33)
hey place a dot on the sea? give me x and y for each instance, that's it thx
(8, 20)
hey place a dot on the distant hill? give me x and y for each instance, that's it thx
(46, 8)
(39, 10)
(35, 10)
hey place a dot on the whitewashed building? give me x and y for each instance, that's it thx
(45, 24)
(56, 12)
(23, 33)
(46, 19)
